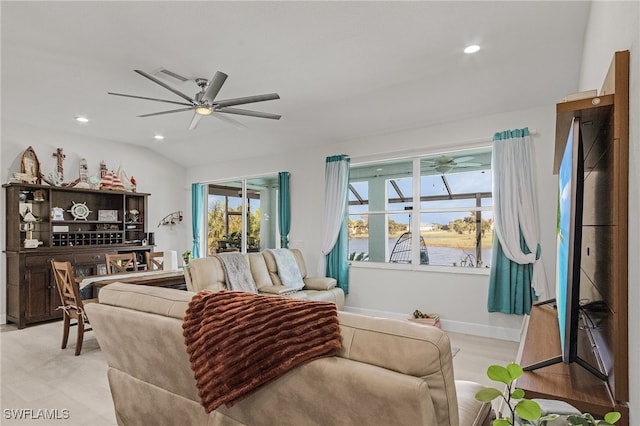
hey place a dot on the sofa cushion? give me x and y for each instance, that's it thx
(259, 270)
(406, 348)
(288, 270)
(270, 261)
(205, 273)
(302, 266)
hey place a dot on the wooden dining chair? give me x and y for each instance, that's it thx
(154, 260)
(119, 263)
(72, 305)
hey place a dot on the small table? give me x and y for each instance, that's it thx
(152, 278)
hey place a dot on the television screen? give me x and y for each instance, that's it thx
(569, 226)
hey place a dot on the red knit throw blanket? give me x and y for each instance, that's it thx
(238, 342)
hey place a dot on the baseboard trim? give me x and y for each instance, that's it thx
(3, 319)
(481, 330)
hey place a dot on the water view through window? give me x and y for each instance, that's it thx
(453, 215)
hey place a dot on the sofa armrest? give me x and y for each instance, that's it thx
(471, 411)
(319, 283)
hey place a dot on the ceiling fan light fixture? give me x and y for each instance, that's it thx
(445, 168)
(203, 110)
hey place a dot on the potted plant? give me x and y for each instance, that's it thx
(186, 257)
(234, 240)
(524, 411)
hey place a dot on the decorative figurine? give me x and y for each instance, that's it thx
(84, 175)
(60, 158)
(79, 211)
(103, 169)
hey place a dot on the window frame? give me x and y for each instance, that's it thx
(416, 203)
(269, 210)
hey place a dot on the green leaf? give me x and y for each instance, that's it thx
(612, 417)
(577, 420)
(498, 373)
(528, 410)
(488, 394)
(517, 394)
(515, 371)
(548, 418)
(502, 422)
(589, 417)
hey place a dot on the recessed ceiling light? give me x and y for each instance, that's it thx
(159, 137)
(472, 48)
(82, 119)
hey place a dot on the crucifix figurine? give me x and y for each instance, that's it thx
(60, 157)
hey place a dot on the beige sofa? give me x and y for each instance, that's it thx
(388, 372)
(208, 273)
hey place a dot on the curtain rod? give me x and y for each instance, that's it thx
(435, 150)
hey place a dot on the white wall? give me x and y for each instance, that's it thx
(154, 174)
(615, 26)
(460, 298)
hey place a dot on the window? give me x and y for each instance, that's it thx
(434, 210)
(242, 223)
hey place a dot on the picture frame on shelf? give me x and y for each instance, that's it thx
(107, 215)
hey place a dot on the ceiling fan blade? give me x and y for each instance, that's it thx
(148, 99)
(230, 120)
(467, 165)
(463, 159)
(166, 112)
(214, 86)
(194, 121)
(248, 113)
(166, 86)
(247, 100)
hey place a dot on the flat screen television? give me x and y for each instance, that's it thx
(568, 255)
(569, 242)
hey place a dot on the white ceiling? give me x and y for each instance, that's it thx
(342, 69)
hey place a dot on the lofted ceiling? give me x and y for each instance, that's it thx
(342, 69)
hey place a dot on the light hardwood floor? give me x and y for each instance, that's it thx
(37, 375)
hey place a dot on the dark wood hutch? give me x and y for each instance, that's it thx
(66, 224)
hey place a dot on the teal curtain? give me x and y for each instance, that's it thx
(337, 263)
(284, 208)
(197, 215)
(335, 233)
(517, 271)
(507, 294)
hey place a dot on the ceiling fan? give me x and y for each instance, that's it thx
(204, 103)
(445, 164)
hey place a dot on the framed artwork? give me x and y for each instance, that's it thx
(108, 215)
(30, 165)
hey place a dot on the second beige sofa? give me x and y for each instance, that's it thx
(207, 273)
(388, 372)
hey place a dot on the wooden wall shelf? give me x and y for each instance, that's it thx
(567, 382)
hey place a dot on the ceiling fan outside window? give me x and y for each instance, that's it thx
(445, 164)
(204, 103)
